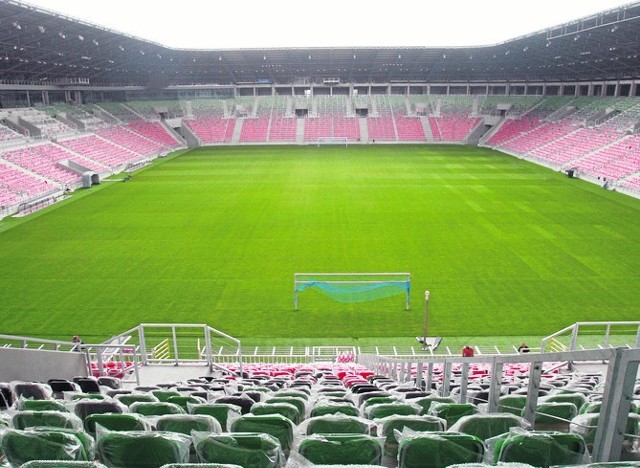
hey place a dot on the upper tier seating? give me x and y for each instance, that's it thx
(120, 111)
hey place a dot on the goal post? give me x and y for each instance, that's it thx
(336, 141)
(353, 287)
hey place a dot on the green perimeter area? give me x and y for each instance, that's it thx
(214, 236)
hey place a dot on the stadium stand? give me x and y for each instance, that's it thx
(452, 128)
(44, 159)
(211, 129)
(282, 129)
(123, 136)
(155, 131)
(254, 130)
(325, 412)
(101, 150)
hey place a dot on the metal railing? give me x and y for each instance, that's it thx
(176, 344)
(618, 391)
(590, 335)
(102, 359)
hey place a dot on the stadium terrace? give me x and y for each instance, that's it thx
(158, 205)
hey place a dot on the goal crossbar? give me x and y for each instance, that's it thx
(359, 285)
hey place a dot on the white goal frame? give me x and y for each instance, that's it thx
(352, 278)
(341, 141)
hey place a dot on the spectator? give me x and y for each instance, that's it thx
(467, 351)
(523, 348)
(78, 341)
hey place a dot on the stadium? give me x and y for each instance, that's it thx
(273, 257)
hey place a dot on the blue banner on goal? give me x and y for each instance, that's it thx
(357, 292)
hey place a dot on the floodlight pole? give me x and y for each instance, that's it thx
(426, 320)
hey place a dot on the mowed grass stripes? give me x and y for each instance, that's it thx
(215, 235)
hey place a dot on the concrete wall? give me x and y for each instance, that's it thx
(35, 365)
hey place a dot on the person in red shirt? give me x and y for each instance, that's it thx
(467, 351)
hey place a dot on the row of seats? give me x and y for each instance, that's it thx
(603, 152)
(337, 414)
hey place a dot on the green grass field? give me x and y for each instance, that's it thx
(214, 236)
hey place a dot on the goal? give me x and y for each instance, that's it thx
(353, 287)
(336, 141)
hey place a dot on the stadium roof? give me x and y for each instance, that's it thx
(40, 46)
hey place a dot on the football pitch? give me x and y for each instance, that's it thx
(214, 236)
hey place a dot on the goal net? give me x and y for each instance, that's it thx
(340, 141)
(353, 287)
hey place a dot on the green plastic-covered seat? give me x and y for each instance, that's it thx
(347, 449)
(299, 402)
(616, 464)
(336, 424)
(388, 426)
(84, 408)
(382, 410)
(427, 401)
(554, 416)
(329, 407)
(142, 449)
(285, 409)
(378, 400)
(116, 422)
(200, 465)
(438, 449)
(62, 464)
(245, 449)
(576, 398)
(130, 398)
(485, 426)
(22, 446)
(87, 396)
(590, 407)
(541, 449)
(586, 425)
(184, 401)
(155, 409)
(225, 413)
(513, 404)
(41, 405)
(27, 419)
(291, 393)
(164, 395)
(452, 412)
(185, 423)
(273, 424)
(345, 466)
